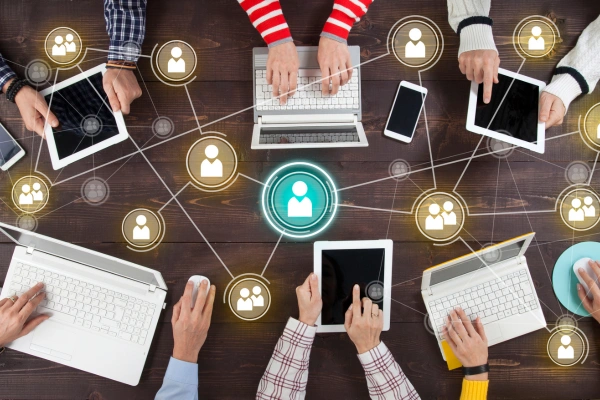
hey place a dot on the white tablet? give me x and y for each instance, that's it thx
(341, 265)
(512, 115)
(87, 123)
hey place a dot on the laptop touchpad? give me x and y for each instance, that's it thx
(493, 331)
(50, 339)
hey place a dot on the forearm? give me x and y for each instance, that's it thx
(125, 23)
(345, 13)
(6, 74)
(267, 17)
(478, 34)
(287, 373)
(578, 71)
(474, 390)
(180, 381)
(385, 378)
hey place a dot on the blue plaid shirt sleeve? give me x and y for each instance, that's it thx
(125, 23)
(6, 73)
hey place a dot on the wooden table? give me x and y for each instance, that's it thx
(236, 353)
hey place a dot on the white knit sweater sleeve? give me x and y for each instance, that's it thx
(585, 58)
(472, 37)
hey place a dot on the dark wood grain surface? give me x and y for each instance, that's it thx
(236, 353)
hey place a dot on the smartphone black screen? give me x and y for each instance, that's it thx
(406, 111)
(8, 146)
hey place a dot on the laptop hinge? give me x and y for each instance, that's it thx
(152, 288)
(308, 119)
(30, 250)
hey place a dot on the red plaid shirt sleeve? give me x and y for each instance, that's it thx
(287, 373)
(385, 378)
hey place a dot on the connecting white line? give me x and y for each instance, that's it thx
(531, 227)
(589, 182)
(175, 195)
(193, 109)
(252, 179)
(273, 252)
(374, 209)
(428, 138)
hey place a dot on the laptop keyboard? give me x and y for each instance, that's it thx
(309, 94)
(509, 295)
(87, 305)
(308, 137)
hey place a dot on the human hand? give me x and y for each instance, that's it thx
(309, 300)
(363, 327)
(591, 306)
(481, 66)
(282, 70)
(33, 109)
(190, 326)
(552, 110)
(468, 343)
(14, 316)
(122, 88)
(334, 60)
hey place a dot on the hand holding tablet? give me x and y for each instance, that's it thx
(512, 115)
(87, 123)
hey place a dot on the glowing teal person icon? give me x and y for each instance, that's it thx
(300, 208)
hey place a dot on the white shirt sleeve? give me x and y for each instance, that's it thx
(585, 58)
(476, 36)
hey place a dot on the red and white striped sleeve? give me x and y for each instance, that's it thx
(345, 14)
(267, 17)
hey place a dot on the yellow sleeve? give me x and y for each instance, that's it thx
(474, 390)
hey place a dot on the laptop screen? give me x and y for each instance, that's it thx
(489, 257)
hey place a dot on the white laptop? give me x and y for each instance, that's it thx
(307, 120)
(494, 284)
(103, 310)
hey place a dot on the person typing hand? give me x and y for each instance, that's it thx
(122, 88)
(467, 341)
(335, 63)
(15, 312)
(282, 70)
(33, 108)
(190, 329)
(591, 306)
(481, 66)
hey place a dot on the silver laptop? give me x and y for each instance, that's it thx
(103, 310)
(494, 284)
(308, 120)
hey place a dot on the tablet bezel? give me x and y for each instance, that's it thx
(387, 245)
(58, 163)
(538, 146)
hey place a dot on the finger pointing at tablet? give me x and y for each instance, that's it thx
(363, 326)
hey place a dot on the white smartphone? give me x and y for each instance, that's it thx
(10, 150)
(402, 122)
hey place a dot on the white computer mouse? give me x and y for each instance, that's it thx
(197, 279)
(585, 265)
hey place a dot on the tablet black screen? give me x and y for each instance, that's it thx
(341, 270)
(72, 105)
(517, 113)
